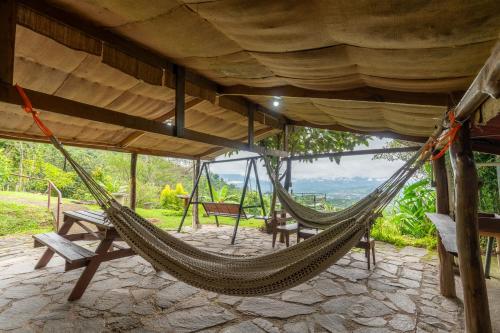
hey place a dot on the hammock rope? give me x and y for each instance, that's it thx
(244, 275)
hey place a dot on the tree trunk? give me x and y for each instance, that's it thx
(477, 314)
(446, 274)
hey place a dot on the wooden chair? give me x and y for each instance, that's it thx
(280, 225)
(364, 243)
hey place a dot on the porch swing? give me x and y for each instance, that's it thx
(226, 209)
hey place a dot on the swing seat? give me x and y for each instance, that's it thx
(225, 209)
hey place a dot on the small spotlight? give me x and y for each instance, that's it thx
(276, 103)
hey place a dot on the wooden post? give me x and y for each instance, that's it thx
(196, 172)
(133, 180)
(477, 312)
(446, 274)
(180, 88)
(8, 15)
(286, 147)
(251, 113)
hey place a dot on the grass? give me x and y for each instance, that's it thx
(25, 213)
(385, 231)
(24, 219)
(22, 213)
(171, 222)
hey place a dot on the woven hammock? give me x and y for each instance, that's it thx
(247, 275)
(377, 199)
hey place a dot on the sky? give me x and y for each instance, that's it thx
(350, 166)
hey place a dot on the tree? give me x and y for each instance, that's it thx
(307, 140)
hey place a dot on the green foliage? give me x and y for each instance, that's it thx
(489, 200)
(5, 167)
(410, 208)
(169, 199)
(224, 195)
(386, 230)
(62, 179)
(315, 140)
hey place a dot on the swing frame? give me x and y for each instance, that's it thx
(251, 165)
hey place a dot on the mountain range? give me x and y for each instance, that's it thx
(336, 188)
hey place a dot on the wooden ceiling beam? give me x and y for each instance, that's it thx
(134, 49)
(93, 145)
(62, 106)
(258, 133)
(7, 39)
(365, 94)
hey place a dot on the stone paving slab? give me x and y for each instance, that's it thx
(126, 295)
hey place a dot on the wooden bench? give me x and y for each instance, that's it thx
(233, 210)
(71, 252)
(488, 225)
(225, 209)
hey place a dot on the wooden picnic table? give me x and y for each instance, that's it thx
(76, 256)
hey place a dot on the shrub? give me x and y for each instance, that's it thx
(169, 199)
(409, 213)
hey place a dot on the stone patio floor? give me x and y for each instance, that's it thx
(399, 295)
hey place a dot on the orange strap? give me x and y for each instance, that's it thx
(450, 136)
(28, 108)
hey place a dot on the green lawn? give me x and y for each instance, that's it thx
(24, 219)
(171, 222)
(26, 213)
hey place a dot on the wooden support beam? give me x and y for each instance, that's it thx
(180, 92)
(133, 180)
(356, 152)
(286, 146)
(250, 136)
(220, 150)
(59, 105)
(169, 115)
(8, 14)
(366, 94)
(477, 312)
(446, 273)
(196, 172)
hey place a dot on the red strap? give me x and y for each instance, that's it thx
(28, 108)
(450, 136)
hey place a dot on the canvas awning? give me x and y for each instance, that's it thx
(360, 66)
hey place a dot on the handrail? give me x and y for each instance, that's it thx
(51, 187)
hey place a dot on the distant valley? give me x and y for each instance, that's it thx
(339, 191)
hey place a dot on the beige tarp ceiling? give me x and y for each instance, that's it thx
(409, 46)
